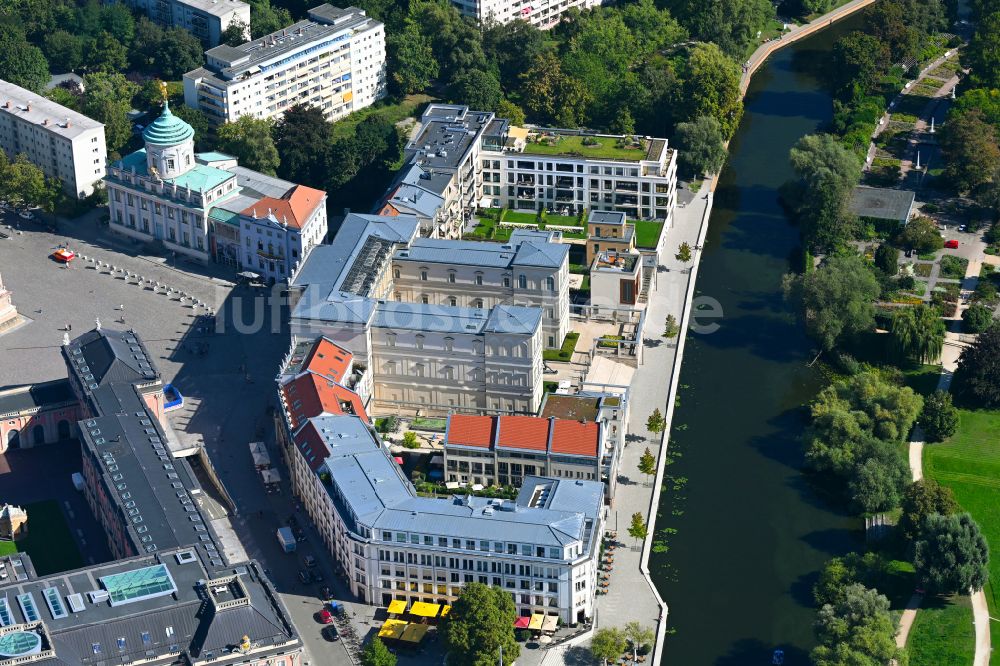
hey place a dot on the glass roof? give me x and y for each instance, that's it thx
(19, 643)
(139, 584)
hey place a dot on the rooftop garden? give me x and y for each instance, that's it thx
(647, 233)
(489, 227)
(599, 147)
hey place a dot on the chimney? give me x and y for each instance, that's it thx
(67, 121)
(27, 106)
(45, 121)
(6, 104)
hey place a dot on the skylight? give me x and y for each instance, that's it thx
(139, 584)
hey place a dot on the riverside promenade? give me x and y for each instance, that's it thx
(632, 596)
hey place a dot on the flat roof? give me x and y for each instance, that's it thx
(35, 109)
(523, 252)
(575, 407)
(512, 319)
(447, 134)
(882, 203)
(215, 7)
(44, 395)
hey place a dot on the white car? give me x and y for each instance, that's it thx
(963, 228)
(26, 215)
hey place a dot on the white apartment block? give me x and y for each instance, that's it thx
(62, 143)
(432, 357)
(540, 13)
(334, 61)
(542, 548)
(205, 19)
(470, 274)
(471, 159)
(205, 207)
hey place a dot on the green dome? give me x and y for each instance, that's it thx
(167, 130)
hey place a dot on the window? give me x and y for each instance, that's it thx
(479, 278)
(451, 276)
(420, 341)
(395, 273)
(449, 344)
(452, 301)
(506, 282)
(424, 300)
(522, 282)
(170, 164)
(478, 303)
(121, 642)
(423, 275)
(96, 647)
(550, 283)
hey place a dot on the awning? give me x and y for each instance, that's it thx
(424, 609)
(445, 610)
(397, 606)
(536, 621)
(414, 633)
(392, 629)
(522, 622)
(550, 623)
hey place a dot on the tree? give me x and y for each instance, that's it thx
(512, 112)
(480, 623)
(24, 185)
(118, 20)
(826, 175)
(670, 327)
(478, 89)
(377, 654)
(198, 120)
(918, 332)
(969, 146)
(732, 24)
(235, 34)
(837, 299)
(951, 554)
(267, 19)
(251, 142)
(638, 528)
(939, 418)
(21, 63)
(513, 46)
(859, 62)
(710, 86)
(683, 253)
(878, 485)
(857, 629)
(977, 318)
(104, 53)
(702, 146)
(637, 635)
(978, 373)
(981, 55)
(921, 499)
(920, 234)
(608, 644)
(178, 52)
(411, 60)
(64, 51)
(302, 137)
(656, 423)
(647, 463)
(410, 440)
(549, 94)
(887, 259)
(108, 99)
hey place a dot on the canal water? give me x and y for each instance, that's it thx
(751, 532)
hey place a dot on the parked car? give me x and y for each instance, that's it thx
(304, 576)
(325, 616)
(330, 633)
(963, 228)
(951, 244)
(309, 561)
(26, 215)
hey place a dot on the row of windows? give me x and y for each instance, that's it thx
(482, 545)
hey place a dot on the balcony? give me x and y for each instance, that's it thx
(565, 196)
(626, 200)
(564, 181)
(625, 186)
(526, 180)
(525, 193)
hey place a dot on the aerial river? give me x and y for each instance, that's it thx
(751, 533)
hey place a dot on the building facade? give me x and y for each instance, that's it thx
(205, 19)
(37, 414)
(542, 547)
(334, 61)
(62, 143)
(471, 159)
(543, 15)
(483, 275)
(205, 207)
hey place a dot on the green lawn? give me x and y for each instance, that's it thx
(408, 108)
(647, 233)
(953, 267)
(607, 148)
(565, 352)
(7, 548)
(49, 541)
(923, 379)
(421, 423)
(942, 633)
(969, 463)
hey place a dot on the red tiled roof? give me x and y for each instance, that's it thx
(576, 438)
(311, 444)
(310, 395)
(294, 208)
(329, 360)
(465, 430)
(523, 432)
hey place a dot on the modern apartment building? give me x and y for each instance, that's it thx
(481, 275)
(421, 356)
(161, 609)
(205, 19)
(205, 207)
(472, 159)
(62, 143)
(609, 231)
(334, 60)
(542, 547)
(544, 14)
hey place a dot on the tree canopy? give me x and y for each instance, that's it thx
(250, 141)
(377, 654)
(21, 63)
(856, 629)
(108, 99)
(969, 146)
(978, 375)
(951, 554)
(923, 498)
(702, 146)
(480, 623)
(918, 332)
(939, 418)
(826, 174)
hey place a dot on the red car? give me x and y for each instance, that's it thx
(64, 255)
(325, 616)
(951, 245)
